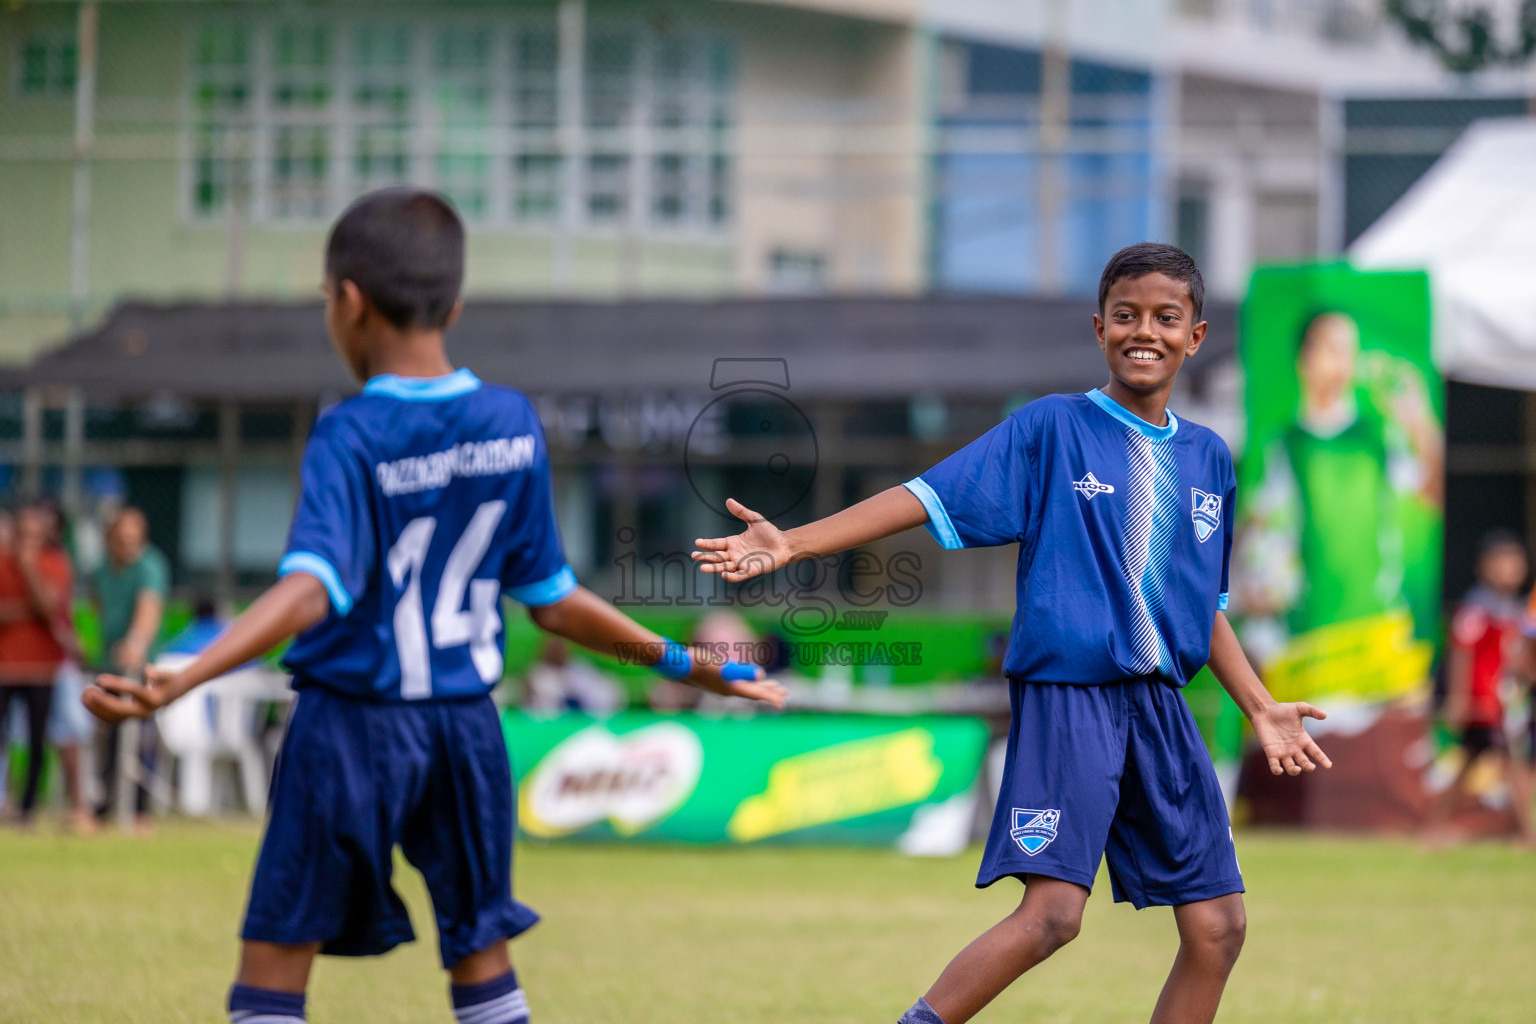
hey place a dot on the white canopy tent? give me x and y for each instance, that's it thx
(1471, 222)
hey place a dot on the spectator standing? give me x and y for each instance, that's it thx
(70, 726)
(1484, 648)
(35, 590)
(129, 590)
(1522, 751)
(12, 718)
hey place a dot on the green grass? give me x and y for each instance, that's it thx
(125, 930)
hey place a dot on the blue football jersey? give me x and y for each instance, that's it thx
(422, 501)
(1124, 532)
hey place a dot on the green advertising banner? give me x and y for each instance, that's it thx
(1336, 564)
(784, 778)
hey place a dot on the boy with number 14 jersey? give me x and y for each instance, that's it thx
(424, 500)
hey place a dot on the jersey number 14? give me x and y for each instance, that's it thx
(453, 625)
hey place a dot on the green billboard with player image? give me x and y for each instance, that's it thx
(1337, 557)
(1338, 549)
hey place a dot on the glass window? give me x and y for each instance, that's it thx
(1192, 218)
(300, 99)
(607, 186)
(46, 65)
(719, 189)
(669, 184)
(473, 108)
(221, 106)
(693, 87)
(381, 106)
(535, 79)
(537, 166)
(537, 186)
(609, 94)
(721, 57)
(610, 78)
(461, 101)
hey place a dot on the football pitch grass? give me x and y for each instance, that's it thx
(118, 929)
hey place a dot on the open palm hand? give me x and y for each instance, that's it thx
(760, 548)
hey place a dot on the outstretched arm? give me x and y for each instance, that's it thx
(762, 547)
(295, 603)
(586, 619)
(1280, 727)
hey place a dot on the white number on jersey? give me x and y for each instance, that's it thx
(452, 623)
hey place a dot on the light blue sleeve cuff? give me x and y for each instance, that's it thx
(1221, 602)
(939, 525)
(320, 569)
(546, 591)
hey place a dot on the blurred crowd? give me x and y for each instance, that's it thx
(43, 664)
(1484, 698)
(51, 747)
(558, 682)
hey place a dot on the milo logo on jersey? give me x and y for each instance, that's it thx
(1206, 513)
(1034, 829)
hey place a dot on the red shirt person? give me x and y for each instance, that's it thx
(1484, 633)
(1485, 641)
(35, 587)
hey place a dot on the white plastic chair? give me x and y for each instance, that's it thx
(217, 722)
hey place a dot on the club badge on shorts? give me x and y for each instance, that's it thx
(1034, 829)
(1206, 513)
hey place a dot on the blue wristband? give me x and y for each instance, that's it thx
(675, 661)
(738, 672)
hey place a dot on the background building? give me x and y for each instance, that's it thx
(703, 150)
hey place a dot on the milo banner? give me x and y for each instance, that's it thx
(907, 782)
(1337, 557)
(1336, 561)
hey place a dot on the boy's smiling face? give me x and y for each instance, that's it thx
(1146, 330)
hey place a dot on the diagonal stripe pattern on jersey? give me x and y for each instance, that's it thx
(1151, 522)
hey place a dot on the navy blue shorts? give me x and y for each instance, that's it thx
(354, 779)
(1118, 770)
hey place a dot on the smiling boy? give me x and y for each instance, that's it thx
(1123, 517)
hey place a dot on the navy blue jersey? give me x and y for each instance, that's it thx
(1124, 533)
(422, 501)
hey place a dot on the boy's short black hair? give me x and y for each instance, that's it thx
(404, 249)
(1145, 258)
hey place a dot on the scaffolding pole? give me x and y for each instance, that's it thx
(1055, 119)
(85, 132)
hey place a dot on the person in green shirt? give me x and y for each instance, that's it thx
(129, 590)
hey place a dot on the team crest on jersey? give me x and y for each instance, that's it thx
(1089, 485)
(1206, 514)
(1033, 829)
